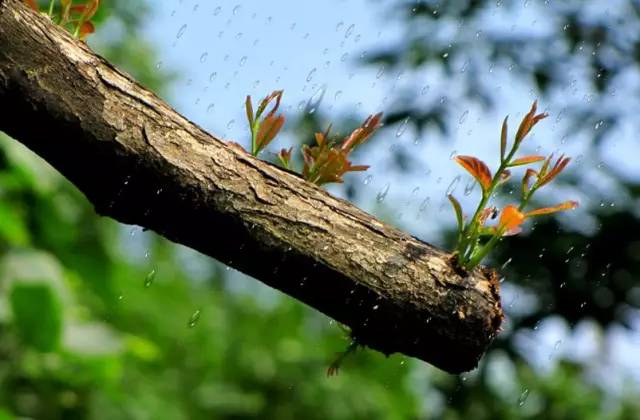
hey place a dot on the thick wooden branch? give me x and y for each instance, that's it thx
(140, 162)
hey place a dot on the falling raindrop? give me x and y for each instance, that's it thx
(556, 346)
(383, 194)
(463, 117)
(150, 278)
(402, 127)
(314, 102)
(193, 320)
(452, 186)
(523, 397)
(469, 187)
(349, 30)
(181, 31)
(311, 74)
(424, 204)
(380, 71)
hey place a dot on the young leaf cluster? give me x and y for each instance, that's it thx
(475, 238)
(325, 162)
(76, 18)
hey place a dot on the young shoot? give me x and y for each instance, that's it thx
(475, 238)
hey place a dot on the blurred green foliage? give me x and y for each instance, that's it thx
(102, 321)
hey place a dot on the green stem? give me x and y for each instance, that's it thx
(254, 133)
(475, 258)
(50, 13)
(470, 235)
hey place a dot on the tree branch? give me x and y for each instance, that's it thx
(140, 162)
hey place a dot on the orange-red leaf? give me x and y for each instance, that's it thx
(559, 166)
(503, 139)
(525, 160)
(525, 179)
(285, 157)
(87, 28)
(362, 133)
(269, 127)
(32, 3)
(477, 168)
(529, 121)
(510, 219)
(248, 106)
(567, 205)
(86, 10)
(277, 95)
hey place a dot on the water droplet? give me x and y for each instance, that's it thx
(210, 107)
(445, 55)
(217, 11)
(311, 74)
(367, 179)
(463, 117)
(523, 397)
(344, 56)
(236, 9)
(598, 125)
(193, 320)
(243, 61)
(150, 278)
(402, 127)
(158, 65)
(452, 186)
(204, 57)
(339, 26)
(464, 67)
(380, 71)
(424, 204)
(469, 187)
(314, 101)
(213, 76)
(230, 124)
(337, 95)
(349, 31)
(383, 194)
(181, 31)
(556, 346)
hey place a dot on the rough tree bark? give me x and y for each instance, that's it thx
(140, 162)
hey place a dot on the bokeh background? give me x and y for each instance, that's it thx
(100, 320)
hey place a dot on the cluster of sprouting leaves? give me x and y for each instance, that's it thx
(76, 18)
(475, 238)
(323, 163)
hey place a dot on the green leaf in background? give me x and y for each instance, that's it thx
(5, 415)
(37, 315)
(12, 228)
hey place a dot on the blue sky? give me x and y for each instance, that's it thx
(225, 50)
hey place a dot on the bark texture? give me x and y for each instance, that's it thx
(140, 162)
